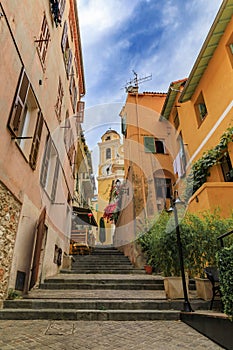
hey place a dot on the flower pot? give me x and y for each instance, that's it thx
(174, 288)
(204, 288)
(148, 269)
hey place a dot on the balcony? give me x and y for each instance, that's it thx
(212, 195)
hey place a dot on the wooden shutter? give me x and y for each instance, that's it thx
(74, 101)
(55, 179)
(149, 144)
(62, 4)
(74, 164)
(80, 111)
(71, 81)
(123, 125)
(69, 62)
(18, 104)
(45, 163)
(36, 141)
(67, 132)
(64, 37)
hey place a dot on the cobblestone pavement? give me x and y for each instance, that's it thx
(84, 335)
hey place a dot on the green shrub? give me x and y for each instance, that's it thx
(225, 264)
(13, 294)
(199, 242)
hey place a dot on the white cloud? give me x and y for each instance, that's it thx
(108, 62)
(170, 14)
(98, 19)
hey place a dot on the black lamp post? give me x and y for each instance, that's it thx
(174, 201)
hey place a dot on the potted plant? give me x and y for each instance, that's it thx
(199, 241)
(159, 245)
(148, 267)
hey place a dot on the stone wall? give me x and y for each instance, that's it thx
(134, 252)
(9, 218)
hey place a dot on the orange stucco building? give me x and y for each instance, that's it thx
(42, 82)
(200, 110)
(148, 151)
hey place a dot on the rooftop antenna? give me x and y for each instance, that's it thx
(132, 85)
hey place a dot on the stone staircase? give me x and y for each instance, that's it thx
(101, 286)
(102, 260)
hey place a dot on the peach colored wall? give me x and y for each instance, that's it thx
(22, 24)
(142, 112)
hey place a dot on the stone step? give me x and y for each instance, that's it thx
(101, 304)
(103, 266)
(101, 261)
(103, 271)
(88, 315)
(116, 286)
(103, 281)
(107, 253)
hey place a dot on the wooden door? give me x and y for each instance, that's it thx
(40, 231)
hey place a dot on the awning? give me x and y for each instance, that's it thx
(82, 217)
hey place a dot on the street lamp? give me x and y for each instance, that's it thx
(174, 201)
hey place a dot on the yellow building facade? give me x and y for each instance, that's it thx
(201, 111)
(110, 169)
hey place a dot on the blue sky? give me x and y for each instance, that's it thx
(158, 37)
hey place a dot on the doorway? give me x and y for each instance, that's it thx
(40, 237)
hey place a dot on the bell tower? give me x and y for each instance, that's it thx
(110, 169)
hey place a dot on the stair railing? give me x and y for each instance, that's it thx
(220, 238)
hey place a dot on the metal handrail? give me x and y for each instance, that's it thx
(223, 236)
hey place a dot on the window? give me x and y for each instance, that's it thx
(62, 4)
(76, 66)
(163, 187)
(227, 168)
(177, 121)
(123, 126)
(153, 145)
(69, 140)
(80, 111)
(43, 42)
(180, 160)
(50, 170)
(67, 132)
(229, 48)
(108, 153)
(26, 120)
(73, 91)
(60, 94)
(67, 53)
(200, 108)
(159, 146)
(108, 138)
(57, 9)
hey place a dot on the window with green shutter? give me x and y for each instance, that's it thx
(123, 126)
(149, 144)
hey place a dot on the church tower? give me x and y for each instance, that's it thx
(110, 169)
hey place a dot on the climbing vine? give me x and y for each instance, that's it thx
(200, 169)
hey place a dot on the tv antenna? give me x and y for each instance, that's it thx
(132, 85)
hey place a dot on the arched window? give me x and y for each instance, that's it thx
(108, 153)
